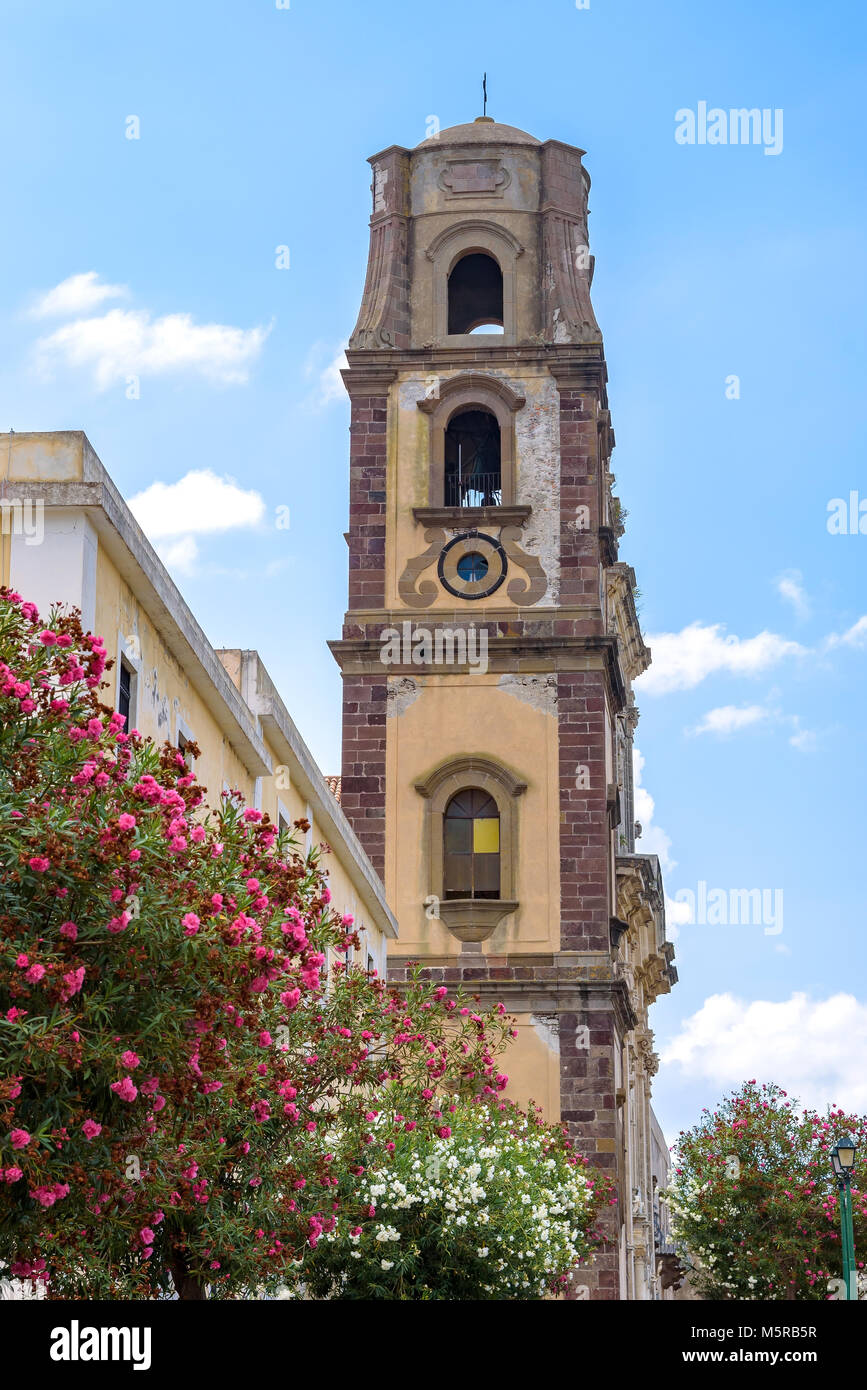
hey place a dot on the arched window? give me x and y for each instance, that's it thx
(473, 471)
(475, 295)
(471, 846)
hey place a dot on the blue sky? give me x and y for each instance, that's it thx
(255, 124)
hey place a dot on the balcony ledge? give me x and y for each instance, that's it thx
(474, 919)
(470, 518)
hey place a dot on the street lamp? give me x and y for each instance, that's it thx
(843, 1163)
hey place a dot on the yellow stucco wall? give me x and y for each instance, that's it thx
(164, 694)
(452, 716)
(532, 1064)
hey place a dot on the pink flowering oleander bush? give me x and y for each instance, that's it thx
(185, 1089)
(754, 1202)
(495, 1204)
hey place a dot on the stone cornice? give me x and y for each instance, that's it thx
(389, 617)
(563, 145)
(367, 378)
(582, 984)
(621, 589)
(579, 366)
(390, 149)
(641, 901)
(362, 655)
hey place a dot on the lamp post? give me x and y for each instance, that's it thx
(843, 1162)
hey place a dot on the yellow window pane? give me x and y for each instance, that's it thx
(486, 836)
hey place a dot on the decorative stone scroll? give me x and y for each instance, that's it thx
(422, 595)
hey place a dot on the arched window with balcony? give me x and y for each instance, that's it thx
(471, 845)
(472, 441)
(471, 840)
(473, 460)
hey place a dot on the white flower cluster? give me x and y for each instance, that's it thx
(497, 1196)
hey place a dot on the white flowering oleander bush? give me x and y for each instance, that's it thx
(497, 1206)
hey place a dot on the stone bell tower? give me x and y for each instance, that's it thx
(491, 638)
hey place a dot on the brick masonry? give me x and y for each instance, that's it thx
(587, 1076)
(579, 487)
(585, 837)
(367, 467)
(362, 790)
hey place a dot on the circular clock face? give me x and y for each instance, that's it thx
(472, 566)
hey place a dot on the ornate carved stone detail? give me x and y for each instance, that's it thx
(623, 619)
(474, 229)
(525, 592)
(468, 178)
(383, 320)
(474, 919)
(422, 595)
(644, 1051)
(381, 309)
(529, 591)
(569, 316)
(465, 384)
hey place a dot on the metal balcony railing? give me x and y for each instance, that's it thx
(477, 490)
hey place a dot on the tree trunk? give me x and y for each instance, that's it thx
(187, 1285)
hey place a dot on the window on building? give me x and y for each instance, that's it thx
(476, 295)
(184, 747)
(473, 473)
(125, 692)
(471, 846)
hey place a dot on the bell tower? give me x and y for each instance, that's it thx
(491, 637)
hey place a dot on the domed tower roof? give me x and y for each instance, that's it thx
(484, 130)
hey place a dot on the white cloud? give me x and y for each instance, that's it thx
(76, 295)
(196, 504)
(730, 719)
(128, 342)
(790, 587)
(331, 387)
(803, 739)
(726, 720)
(814, 1049)
(653, 838)
(855, 636)
(682, 660)
(180, 555)
(677, 915)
